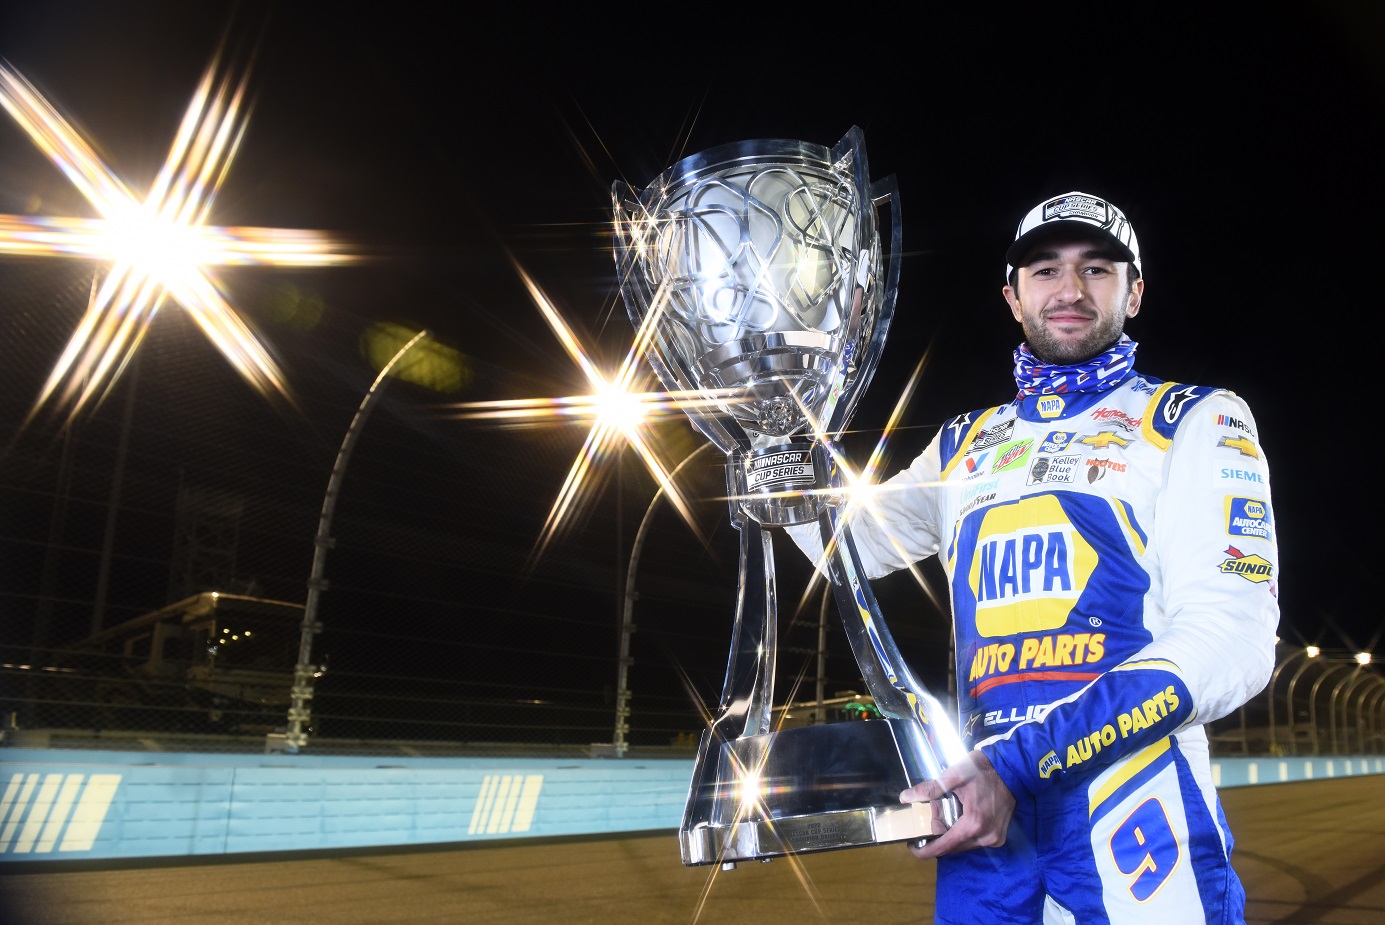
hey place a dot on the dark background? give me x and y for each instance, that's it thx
(444, 144)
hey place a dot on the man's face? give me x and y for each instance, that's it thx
(1072, 297)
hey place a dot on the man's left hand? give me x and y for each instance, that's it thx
(987, 806)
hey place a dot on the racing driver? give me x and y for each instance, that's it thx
(1109, 543)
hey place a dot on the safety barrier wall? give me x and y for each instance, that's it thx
(61, 804)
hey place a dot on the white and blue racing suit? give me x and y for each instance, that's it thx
(1113, 574)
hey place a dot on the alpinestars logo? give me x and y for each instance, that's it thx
(40, 813)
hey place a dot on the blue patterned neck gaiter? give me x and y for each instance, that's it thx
(1101, 372)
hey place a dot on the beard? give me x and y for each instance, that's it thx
(1051, 350)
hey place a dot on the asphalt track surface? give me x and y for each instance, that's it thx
(1308, 853)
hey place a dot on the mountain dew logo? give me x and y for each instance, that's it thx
(1012, 455)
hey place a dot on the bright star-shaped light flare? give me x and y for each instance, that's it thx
(619, 411)
(158, 246)
(860, 491)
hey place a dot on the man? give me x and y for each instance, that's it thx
(1113, 571)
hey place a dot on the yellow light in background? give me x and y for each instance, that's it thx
(1313, 651)
(429, 364)
(157, 247)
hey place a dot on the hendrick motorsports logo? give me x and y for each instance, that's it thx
(1252, 568)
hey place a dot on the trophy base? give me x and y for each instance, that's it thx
(765, 839)
(815, 788)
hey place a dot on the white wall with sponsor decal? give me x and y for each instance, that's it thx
(58, 805)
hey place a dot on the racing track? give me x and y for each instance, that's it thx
(1308, 852)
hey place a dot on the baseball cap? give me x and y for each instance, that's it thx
(1078, 211)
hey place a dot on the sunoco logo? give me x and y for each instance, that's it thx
(1252, 568)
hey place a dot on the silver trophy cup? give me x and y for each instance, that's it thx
(755, 274)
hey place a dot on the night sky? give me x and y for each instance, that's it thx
(448, 144)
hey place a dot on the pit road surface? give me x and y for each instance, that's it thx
(1308, 853)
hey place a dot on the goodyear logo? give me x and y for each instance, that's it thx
(1030, 567)
(1252, 568)
(1012, 455)
(1050, 406)
(1247, 517)
(42, 813)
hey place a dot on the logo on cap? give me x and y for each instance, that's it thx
(1076, 207)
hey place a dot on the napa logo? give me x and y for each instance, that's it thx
(1048, 764)
(1252, 568)
(1247, 517)
(1057, 441)
(1029, 568)
(1050, 406)
(1012, 455)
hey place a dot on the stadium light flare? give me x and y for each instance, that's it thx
(157, 247)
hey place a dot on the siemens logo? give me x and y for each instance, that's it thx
(1243, 475)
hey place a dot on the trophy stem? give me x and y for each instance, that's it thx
(747, 695)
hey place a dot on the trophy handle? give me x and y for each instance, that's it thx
(747, 695)
(897, 692)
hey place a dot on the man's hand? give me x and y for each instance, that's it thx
(987, 806)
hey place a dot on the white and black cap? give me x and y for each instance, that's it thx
(1074, 211)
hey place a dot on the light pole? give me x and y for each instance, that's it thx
(1308, 652)
(304, 672)
(620, 740)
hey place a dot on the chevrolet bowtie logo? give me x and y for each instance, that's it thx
(1241, 443)
(1104, 439)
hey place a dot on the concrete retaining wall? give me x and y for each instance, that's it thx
(58, 804)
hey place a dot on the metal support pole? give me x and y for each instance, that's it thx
(819, 711)
(1269, 691)
(1344, 684)
(305, 673)
(1360, 724)
(620, 740)
(1289, 701)
(1313, 704)
(1373, 716)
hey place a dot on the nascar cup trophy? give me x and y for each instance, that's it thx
(757, 273)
